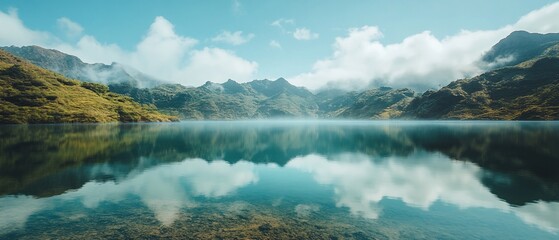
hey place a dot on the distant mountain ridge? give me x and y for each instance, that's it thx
(521, 83)
(229, 100)
(521, 46)
(269, 99)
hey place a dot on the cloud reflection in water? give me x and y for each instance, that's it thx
(360, 183)
(162, 189)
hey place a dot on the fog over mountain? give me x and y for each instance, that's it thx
(73, 67)
(31, 94)
(521, 46)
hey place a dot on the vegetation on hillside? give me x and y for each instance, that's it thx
(521, 46)
(381, 103)
(529, 91)
(30, 94)
(73, 67)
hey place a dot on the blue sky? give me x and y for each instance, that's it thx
(293, 39)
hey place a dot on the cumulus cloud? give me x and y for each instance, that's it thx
(304, 34)
(543, 20)
(233, 38)
(70, 28)
(161, 53)
(275, 44)
(421, 61)
(14, 32)
(215, 64)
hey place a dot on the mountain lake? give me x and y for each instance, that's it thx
(292, 179)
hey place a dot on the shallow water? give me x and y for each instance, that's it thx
(281, 179)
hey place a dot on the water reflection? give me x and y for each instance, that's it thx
(164, 189)
(16, 209)
(542, 214)
(68, 156)
(361, 183)
(511, 168)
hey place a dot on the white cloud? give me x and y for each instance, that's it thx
(88, 49)
(543, 20)
(70, 28)
(233, 38)
(217, 65)
(421, 61)
(14, 32)
(281, 23)
(275, 44)
(304, 34)
(161, 53)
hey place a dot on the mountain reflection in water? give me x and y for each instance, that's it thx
(509, 167)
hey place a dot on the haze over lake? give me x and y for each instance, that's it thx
(281, 179)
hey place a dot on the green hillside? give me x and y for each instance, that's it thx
(30, 94)
(379, 103)
(528, 91)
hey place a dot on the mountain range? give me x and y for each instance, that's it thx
(521, 82)
(230, 100)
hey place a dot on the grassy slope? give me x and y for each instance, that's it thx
(381, 103)
(30, 94)
(528, 91)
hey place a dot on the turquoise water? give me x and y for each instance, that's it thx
(281, 179)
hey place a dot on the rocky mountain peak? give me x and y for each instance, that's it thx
(519, 46)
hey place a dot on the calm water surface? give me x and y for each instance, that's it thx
(269, 180)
